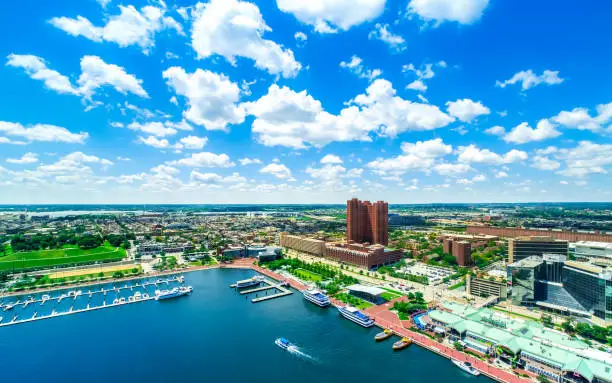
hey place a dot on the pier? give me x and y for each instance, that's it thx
(74, 294)
(269, 285)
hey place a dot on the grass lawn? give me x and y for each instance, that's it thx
(68, 255)
(389, 296)
(456, 286)
(55, 280)
(307, 275)
(353, 301)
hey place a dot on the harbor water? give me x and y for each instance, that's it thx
(214, 335)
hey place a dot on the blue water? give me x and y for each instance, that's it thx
(214, 335)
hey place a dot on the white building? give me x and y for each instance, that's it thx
(586, 249)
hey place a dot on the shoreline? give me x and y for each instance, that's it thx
(378, 313)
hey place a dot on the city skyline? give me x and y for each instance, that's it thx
(403, 101)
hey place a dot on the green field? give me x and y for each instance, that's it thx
(66, 256)
(307, 275)
(389, 296)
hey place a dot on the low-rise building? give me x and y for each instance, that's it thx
(363, 255)
(486, 287)
(302, 244)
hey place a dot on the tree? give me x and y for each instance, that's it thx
(458, 346)
(89, 242)
(543, 379)
(567, 326)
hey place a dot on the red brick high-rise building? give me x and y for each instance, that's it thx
(367, 222)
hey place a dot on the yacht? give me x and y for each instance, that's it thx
(467, 367)
(122, 300)
(256, 280)
(283, 343)
(10, 306)
(173, 293)
(386, 334)
(316, 297)
(181, 279)
(44, 298)
(402, 344)
(351, 313)
(137, 296)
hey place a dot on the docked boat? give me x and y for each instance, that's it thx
(10, 306)
(181, 279)
(283, 343)
(173, 293)
(121, 300)
(316, 297)
(256, 280)
(45, 298)
(467, 367)
(402, 344)
(137, 296)
(352, 314)
(386, 334)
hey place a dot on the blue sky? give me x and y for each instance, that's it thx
(278, 101)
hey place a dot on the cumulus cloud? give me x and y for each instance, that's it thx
(295, 119)
(212, 97)
(27, 158)
(501, 174)
(214, 178)
(586, 158)
(328, 16)
(425, 72)
(419, 156)
(249, 161)
(355, 66)
(523, 133)
(496, 130)
(581, 119)
(95, 73)
(193, 142)
(279, 171)
(233, 28)
(331, 159)
(42, 132)
(466, 110)
(205, 160)
(439, 11)
(130, 27)
(300, 37)
(473, 155)
(449, 169)
(544, 163)
(155, 128)
(381, 32)
(528, 79)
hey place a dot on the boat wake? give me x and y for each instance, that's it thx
(295, 350)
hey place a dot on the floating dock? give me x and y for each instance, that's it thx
(269, 285)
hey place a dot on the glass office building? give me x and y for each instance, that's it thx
(524, 247)
(591, 287)
(525, 277)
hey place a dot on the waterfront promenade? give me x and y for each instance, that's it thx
(387, 319)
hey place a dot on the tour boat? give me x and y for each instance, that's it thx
(283, 343)
(402, 344)
(316, 297)
(256, 280)
(351, 313)
(386, 334)
(467, 367)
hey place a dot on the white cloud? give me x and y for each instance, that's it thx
(288, 118)
(327, 16)
(129, 27)
(448, 169)
(427, 149)
(544, 163)
(420, 156)
(331, 159)
(523, 133)
(418, 85)
(381, 32)
(580, 118)
(461, 11)
(279, 171)
(95, 73)
(42, 132)
(585, 159)
(193, 142)
(249, 161)
(27, 158)
(473, 155)
(155, 142)
(300, 36)
(528, 79)
(233, 28)
(157, 129)
(466, 110)
(37, 69)
(212, 98)
(501, 174)
(214, 179)
(496, 130)
(356, 67)
(205, 160)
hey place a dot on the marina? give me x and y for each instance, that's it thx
(36, 307)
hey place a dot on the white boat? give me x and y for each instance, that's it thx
(121, 300)
(145, 296)
(173, 293)
(137, 296)
(283, 343)
(353, 314)
(10, 306)
(115, 301)
(467, 367)
(181, 279)
(316, 297)
(45, 298)
(256, 280)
